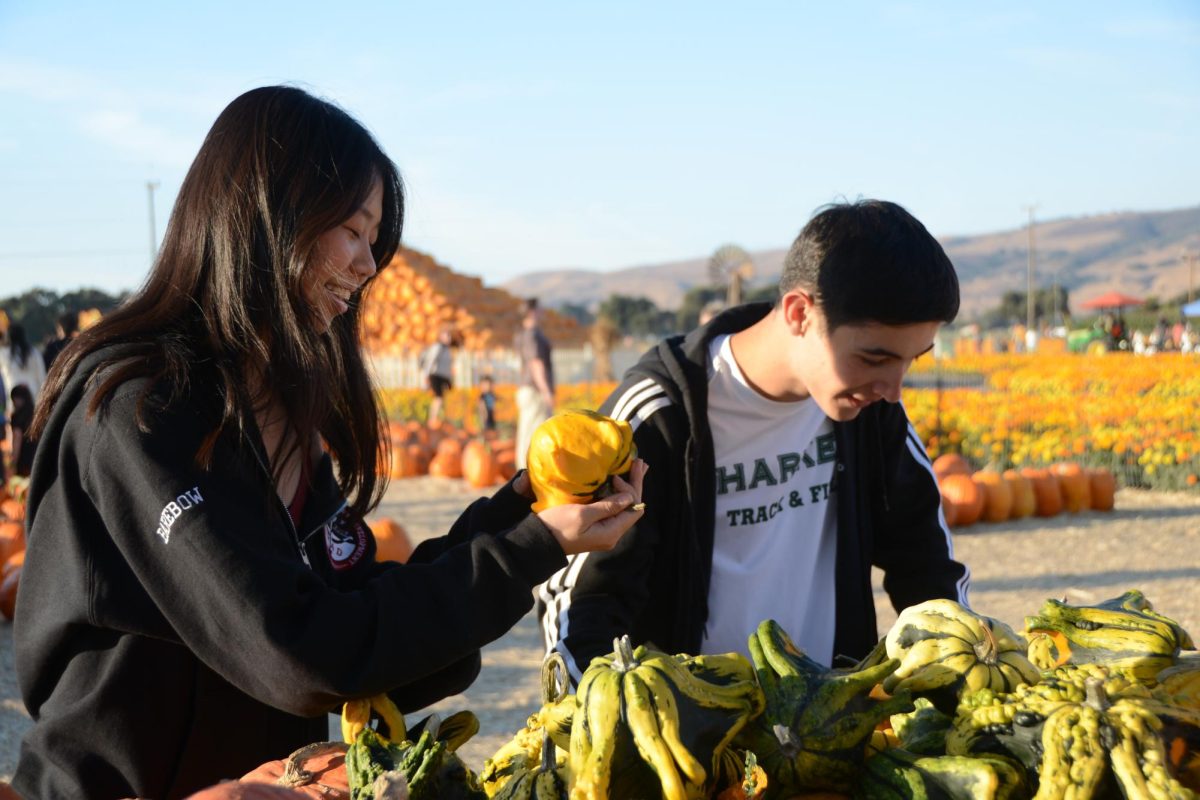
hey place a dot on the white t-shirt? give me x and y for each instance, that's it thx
(775, 540)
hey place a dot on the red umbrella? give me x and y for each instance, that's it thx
(1112, 300)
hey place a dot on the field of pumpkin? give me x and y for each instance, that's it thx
(1133, 416)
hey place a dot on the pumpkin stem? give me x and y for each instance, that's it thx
(1095, 696)
(549, 753)
(555, 678)
(623, 660)
(789, 745)
(987, 651)
(296, 775)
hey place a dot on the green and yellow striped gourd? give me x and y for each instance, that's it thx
(650, 725)
(1084, 732)
(1122, 632)
(818, 722)
(898, 774)
(945, 649)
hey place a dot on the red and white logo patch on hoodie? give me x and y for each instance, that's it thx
(345, 539)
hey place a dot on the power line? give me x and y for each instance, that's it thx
(71, 254)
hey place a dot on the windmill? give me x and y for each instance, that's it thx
(730, 266)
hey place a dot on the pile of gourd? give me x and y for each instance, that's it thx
(1096, 701)
(1093, 702)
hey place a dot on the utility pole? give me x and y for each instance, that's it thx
(1029, 315)
(1191, 259)
(150, 187)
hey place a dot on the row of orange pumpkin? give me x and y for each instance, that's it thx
(448, 452)
(970, 496)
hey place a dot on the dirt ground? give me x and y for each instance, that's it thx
(1151, 542)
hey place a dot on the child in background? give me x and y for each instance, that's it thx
(487, 405)
(22, 417)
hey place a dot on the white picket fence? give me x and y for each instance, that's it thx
(571, 365)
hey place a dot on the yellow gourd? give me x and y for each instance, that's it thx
(573, 456)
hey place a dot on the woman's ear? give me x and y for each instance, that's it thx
(799, 310)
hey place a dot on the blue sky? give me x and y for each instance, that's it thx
(604, 135)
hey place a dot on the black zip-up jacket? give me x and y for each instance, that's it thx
(175, 628)
(654, 584)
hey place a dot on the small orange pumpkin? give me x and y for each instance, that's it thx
(964, 493)
(997, 496)
(316, 770)
(1024, 503)
(249, 790)
(1075, 486)
(17, 559)
(1103, 486)
(950, 464)
(1048, 500)
(8, 593)
(479, 466)
(13, 509)
(12, 539)
(391, 540)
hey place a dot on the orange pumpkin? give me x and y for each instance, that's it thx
(1075, 486)
(250, 790)
(1103, 485)
(479, 464)
(7, 792)
(950, 512)
(447, 460)
(997, 496)
(962, 491)
(8, 592)
(318, 770)
(13, 509)
(391, 540)
(418, 457)
(17, 559)
(12, 539)
(506, 464)
(950, 464)
(1024, 503)
(1048, 500)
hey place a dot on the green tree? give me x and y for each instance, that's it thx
(577, 312)
(688, 315)
(38, 309)
(637, 316)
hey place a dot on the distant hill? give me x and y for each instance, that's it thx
(1138, 253)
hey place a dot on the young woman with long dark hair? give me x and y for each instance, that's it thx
(199, 589)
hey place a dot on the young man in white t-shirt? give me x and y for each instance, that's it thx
(783, 466)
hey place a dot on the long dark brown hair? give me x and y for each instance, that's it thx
(224, 297)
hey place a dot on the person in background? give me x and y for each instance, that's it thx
(21, 363)
(20, 419)
(794, 468)
(487, 405)
(535, 394)
(437, 365)
(200, 588)
(67, 327)
(710, 310)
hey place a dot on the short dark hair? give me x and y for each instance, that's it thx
(871, 261)
(528, 304)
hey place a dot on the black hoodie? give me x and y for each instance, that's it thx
(175, 628)
(654, 584)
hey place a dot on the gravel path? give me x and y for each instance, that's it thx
(1151, 542)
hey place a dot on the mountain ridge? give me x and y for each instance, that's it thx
(1135, 252)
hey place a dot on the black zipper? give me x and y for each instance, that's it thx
(286, 514)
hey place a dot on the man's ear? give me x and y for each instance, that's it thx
(798, 309)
